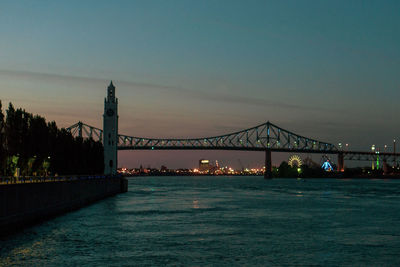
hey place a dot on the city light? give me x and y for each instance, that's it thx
(212, 170)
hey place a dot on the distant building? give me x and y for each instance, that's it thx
(163, 168)
(204, 165)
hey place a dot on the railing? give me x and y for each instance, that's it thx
(47, 179)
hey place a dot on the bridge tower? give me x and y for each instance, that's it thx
(110, 131)
(340, 166)
(268, 164)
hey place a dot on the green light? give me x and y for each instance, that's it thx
(377, 162)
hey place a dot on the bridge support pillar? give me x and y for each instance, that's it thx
(340, 162)
(385, 167)
(268, 165)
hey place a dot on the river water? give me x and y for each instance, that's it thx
(222, 221)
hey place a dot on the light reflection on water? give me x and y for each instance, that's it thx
(222, 221)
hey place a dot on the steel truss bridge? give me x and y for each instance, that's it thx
(266, 137)
(370, 156)
(258, 138)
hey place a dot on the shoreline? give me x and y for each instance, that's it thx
(382, 177)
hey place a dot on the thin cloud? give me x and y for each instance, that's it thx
(51, 77)
(215, 96)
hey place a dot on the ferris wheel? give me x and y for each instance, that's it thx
(295, 160)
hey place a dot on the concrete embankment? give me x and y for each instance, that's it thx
(28, 203)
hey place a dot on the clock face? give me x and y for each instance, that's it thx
(110, 112)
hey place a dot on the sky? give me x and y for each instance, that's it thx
(329, 70)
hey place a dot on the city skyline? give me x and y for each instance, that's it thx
(185, 69)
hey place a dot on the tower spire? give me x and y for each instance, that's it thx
(111, 92)
(111, 85)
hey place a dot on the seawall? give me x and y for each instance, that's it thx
(28, 203)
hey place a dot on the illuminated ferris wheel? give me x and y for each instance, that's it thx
(295, 161)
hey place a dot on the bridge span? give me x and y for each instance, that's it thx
(266, 137)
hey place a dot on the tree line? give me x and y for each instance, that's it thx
(37, 147)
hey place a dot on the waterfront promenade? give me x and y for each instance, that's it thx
(47, 179)
(28, 201)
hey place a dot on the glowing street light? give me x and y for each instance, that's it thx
(394, 152)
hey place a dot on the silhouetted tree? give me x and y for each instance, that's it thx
(285, 170)
(36, 147)
(2, 143)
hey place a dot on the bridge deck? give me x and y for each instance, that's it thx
(261, 149)
(266, 136)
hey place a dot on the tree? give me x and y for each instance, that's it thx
(285, 170)
(2, 143)
(36, 147)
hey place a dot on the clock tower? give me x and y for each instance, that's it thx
(110, 131)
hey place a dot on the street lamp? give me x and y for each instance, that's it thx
(373, 150)
(394, 152)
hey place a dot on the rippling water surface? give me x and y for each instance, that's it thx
(222, 221)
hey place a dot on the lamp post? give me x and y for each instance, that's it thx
(373, 150)
(394, 152)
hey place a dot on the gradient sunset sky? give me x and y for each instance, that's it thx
(324, 69)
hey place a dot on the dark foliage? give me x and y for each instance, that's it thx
(2, 141)
(35, 147)
(285, 171)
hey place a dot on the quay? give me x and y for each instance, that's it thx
(29, 201)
